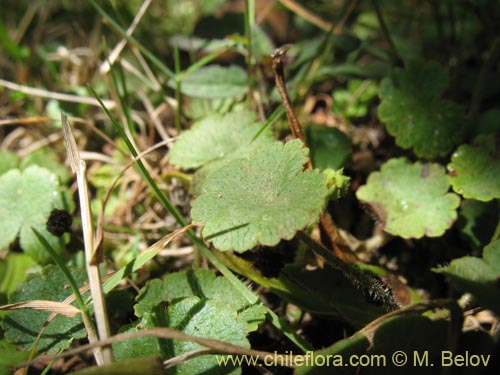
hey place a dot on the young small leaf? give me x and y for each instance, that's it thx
(411, 200)
(475, 173)
(330, 148)
(260, 199)
(414, 112)
(477, 221)
(214, 82)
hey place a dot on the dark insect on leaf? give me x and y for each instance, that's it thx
(59, 222)
(380, 292)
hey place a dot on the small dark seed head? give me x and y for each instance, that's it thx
(59, 222)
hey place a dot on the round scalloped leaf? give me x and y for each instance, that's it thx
(260, 199)
(475, 173)
(411, 200)
(330, 148)
(204, 318)
(46, 157)
(478, 276)
(22, 326)
(214, 82)
(415, 114)
(215, 137)
(198, 283)
(26, 200)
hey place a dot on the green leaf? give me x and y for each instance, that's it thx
(26, 200)
(204, 318)
(46, 158)
(22, 326)
(336, 182)
(477, 221)
(262, 45)
(9, 356)
(253, 316)
(11, 47)
(215, 137)
(475, 173)
(8, 160)
(139, 347)
(195, 316)
(197, 283)
(411, 200)
(415, 113)
(478, 276)
(330, 148)
(214, 82)
(196, 44)
(374, 69)
(260, 199)
(198, 108)
(354, 101)
(12, 271)
(323, 291)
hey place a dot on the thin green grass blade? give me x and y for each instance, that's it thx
(57, 260)
(278, 112)
(120, 86)
(199, 64)
(154, 60)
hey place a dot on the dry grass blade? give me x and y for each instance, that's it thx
(25, 121)
(79, 168)
(306, 14)
(116, 277)
(56, 307)
(214, 346)
(54, 95)
(104, 68)
(161, 244)
(70, 143)
(98, 253)
(418, 308)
